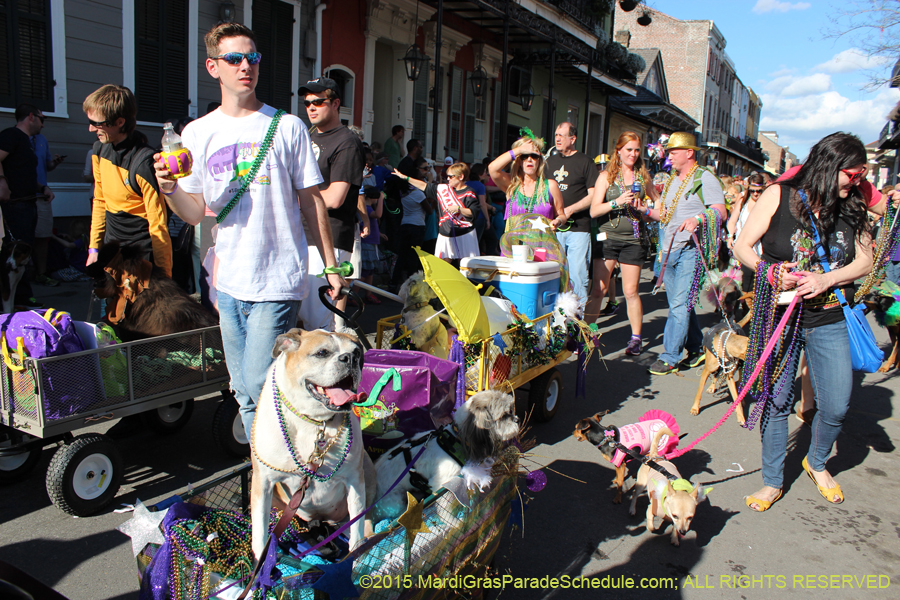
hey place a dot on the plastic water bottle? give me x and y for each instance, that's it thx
(174, 154)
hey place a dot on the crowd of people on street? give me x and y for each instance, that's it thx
(325, 198)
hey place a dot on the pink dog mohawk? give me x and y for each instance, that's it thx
(670, 422)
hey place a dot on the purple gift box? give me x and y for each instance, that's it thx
(415, 392)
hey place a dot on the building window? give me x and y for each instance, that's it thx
(572, 116)
(519, 80)
(273, 25)
(345, 82)
(161, 47)
(26, 74)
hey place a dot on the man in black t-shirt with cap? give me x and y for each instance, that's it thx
(575, 173)
(341, 158)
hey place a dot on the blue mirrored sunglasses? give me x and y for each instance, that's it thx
(236, 58)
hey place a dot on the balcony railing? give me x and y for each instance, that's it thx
(582, 12)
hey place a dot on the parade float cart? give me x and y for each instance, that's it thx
(45, 400)
(498, 354)
(199, 547)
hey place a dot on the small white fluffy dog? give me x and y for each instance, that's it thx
(483, 426)
(311, 385)
(428, 333)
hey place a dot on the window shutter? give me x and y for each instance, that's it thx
(456, 96)
(6, 73)
(420, 104)
(25, 37)
(273, 24)
(160, 69)
(468, 153)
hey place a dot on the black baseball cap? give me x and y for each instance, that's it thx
(319, 85)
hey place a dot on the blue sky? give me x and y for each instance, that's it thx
(810, 85)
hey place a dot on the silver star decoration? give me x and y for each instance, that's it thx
(457, 487)
(539, 223)
(143, 527)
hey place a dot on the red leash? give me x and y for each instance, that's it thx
(770, 346)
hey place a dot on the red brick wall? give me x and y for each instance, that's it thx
(684, 46)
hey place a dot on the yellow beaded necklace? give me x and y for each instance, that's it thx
(666, 213)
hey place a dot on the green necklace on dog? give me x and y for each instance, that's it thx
(322, 447)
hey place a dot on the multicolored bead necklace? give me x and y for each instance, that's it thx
(632, 213)
(519, 199)
(709, 232)
(762, 326)
(667, 212)
(323, 445)
(884, 249)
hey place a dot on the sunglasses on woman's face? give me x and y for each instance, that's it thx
(758, 190)
(855, 176)
(534, 156)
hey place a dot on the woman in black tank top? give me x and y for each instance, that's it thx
(789, 262)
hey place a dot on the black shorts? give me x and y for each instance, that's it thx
(627, 253)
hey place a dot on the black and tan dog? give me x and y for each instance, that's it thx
(726, 349)
(887, 317)
(636, 436)
(141, 301)
(592, 431)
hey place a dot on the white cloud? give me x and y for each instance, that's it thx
(851, 60)
(788, 86)
(764, 6)
(802, 121)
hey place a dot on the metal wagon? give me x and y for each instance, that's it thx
(45, 400)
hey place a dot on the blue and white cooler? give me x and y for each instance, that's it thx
(531, 286)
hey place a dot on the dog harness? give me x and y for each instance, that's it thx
(639, 436)
(447, 440)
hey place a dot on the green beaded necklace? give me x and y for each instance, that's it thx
(521, 200)
(254, 168)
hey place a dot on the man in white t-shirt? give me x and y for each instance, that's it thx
(260, 245)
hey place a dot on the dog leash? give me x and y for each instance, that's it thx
(708, 274)
(336, 533)
(286, 517)
(770, 346)
(662, 270)
(643, 459)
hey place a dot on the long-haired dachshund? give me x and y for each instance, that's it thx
(141, 301)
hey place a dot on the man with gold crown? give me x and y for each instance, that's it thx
(693, 202)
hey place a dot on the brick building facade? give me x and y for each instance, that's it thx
(702, 82)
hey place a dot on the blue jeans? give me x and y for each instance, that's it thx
(828, 357)
(892, 271)
(249, 330)
(682, 329)
(577, 246)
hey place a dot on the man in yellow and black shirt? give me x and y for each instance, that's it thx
(127, 205)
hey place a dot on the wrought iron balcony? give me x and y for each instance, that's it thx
(583, 12)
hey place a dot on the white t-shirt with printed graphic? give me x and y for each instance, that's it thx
(261, 247)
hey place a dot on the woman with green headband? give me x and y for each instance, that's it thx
(527, 191)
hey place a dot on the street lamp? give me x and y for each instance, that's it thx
(527, 97)
(226, 12)
(478, 79)
(414, 60)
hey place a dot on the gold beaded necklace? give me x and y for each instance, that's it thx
(666, 213)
